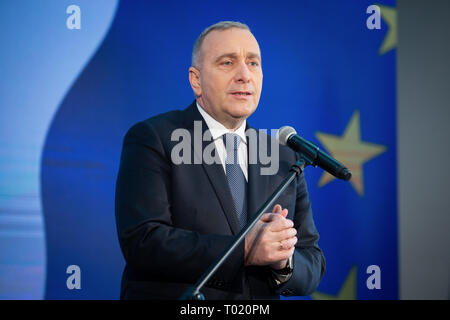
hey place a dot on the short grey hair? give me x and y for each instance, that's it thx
(222, 25)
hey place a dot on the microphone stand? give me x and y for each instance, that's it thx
(193, 293)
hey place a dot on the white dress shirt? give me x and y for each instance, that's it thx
(217, 131)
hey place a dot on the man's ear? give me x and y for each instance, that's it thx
(194, 80)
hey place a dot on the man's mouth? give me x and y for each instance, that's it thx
(241, 93)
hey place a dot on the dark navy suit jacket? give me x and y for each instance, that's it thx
(174, 220)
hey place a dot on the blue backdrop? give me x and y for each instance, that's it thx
(324, 74)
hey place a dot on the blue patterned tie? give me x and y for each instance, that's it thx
(235, 177)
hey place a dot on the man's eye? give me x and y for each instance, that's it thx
(226, 63)
(254, 63)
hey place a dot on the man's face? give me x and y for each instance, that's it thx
(229, 80)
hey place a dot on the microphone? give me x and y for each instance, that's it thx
(287, 136)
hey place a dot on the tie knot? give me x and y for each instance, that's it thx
(231, 140)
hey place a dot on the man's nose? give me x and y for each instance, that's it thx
(242, 73)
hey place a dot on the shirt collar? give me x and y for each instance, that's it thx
(217, 129)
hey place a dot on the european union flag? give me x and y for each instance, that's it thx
(344, 99)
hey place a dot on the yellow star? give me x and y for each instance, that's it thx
(347, 292)
(350, 151)
(389, 14)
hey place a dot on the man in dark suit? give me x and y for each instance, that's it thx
(176, 212)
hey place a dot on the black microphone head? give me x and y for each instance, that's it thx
(284, 133)
(345, 174)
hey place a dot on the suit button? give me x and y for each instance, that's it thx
(220, 284)
(286, 292)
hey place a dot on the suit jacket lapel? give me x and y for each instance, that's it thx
(258, 184)
(214, 171)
